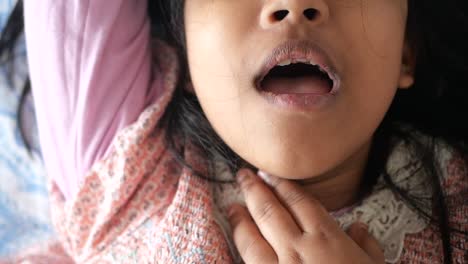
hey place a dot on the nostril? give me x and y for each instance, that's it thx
(311, 13)
(280, 15)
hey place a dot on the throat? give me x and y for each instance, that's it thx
(334, 196)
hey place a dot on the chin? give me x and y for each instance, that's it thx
(294, 173)
(294, 168)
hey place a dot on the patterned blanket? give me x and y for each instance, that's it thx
(24, 211)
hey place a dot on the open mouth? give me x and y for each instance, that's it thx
(297, 77)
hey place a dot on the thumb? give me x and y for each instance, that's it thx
(359, 233)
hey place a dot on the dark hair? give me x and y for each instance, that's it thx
(435, 105)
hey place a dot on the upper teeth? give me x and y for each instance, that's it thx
(289, 62)
(285, 63)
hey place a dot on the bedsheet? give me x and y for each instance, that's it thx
(24, 211)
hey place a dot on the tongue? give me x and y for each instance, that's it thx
(298, 85)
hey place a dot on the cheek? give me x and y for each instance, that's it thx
(384, 21)
(373, 65)
(217, 84)
(214, 33)
(222, 82)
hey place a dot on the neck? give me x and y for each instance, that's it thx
(340, 187)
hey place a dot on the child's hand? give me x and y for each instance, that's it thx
(287, 226)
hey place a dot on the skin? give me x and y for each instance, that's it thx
(227, 41)
(325, 150)
(283, 224)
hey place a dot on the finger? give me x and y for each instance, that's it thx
(252, 247)
(273, 220)
(359, 233)
(307, 211)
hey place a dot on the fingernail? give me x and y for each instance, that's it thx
(267, 178)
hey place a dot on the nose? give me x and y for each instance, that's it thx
(278, 12)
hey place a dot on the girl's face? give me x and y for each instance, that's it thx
(304, 126)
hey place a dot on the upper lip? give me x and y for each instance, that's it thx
(297, 50)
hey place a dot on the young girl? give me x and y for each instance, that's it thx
(356, 108)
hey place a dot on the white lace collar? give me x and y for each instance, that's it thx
(388, 217)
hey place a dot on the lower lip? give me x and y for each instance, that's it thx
(299, 102)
